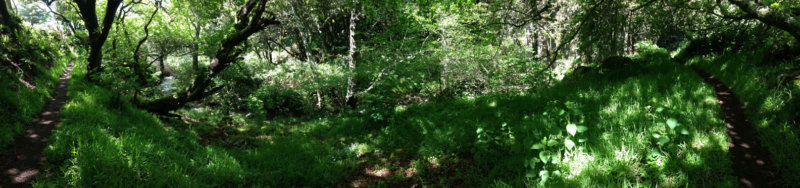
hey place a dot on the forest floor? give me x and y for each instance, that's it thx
(22, 160)
(751, 161)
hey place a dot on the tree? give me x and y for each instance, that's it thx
(351, 84)
(97, 33)
(7, 17)
(784, 20)
(251, 18)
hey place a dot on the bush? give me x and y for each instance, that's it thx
(271, 101)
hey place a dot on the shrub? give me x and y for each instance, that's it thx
(271, 101)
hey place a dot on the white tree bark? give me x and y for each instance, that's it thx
(351, 64)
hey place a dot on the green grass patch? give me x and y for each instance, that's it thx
(770, 103)
(19, 103)
(104, 141)
(658, 125)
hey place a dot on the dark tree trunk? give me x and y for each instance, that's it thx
(97, 34)
(140, 74)
(8, 19)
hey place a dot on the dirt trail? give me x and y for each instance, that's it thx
(21, 161)
(751, 161)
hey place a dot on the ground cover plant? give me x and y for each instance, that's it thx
(770, 102)
(388, 93)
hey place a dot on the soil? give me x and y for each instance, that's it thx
(21, 161)
(751, 161)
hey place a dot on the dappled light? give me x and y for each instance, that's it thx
(387, 93)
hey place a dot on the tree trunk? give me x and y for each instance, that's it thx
(140, 74)
(351, 83)
(250, 19)
(8, 19)
(97, 35)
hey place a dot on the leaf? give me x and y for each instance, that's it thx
(656, 135)
(582, 129)
(569, 144)
(551, 143)
(660, 109)
(555, 159)
(663, 140)
(544, 156)
(672, 123)
(557, 173)
(530, 174)
(684, 132)
(544, 174)
(537, 146)
(572, 129)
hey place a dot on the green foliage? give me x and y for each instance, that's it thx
(770, 103)
(105, 141)
(23, 92)
(613, 120)
(270, 101)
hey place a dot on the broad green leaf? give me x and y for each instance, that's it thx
(551, 143)
(557, 173)
(569, 144)
(684, 132)
(572, 129)
(663, 140)
(544, 156)
(672, 123)
(582, 129)
(555, 159)
(544, 174)
(537, 146)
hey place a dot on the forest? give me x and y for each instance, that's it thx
(400, 93)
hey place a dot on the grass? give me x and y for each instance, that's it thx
(104, 141)
(659, 126)
(771, 104)
(19, 104)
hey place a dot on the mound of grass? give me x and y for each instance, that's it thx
(104, 141)
(770, 104)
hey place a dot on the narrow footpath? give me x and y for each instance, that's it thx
(751, 161)
(21, 162)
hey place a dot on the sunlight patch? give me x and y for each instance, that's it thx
(577, 161)
(624, 154)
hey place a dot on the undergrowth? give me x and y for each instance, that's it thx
(23, 94)
(770, 100)
(658, 126)
(105, 141)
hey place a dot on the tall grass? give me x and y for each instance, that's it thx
(770, 105)
(104, 141)
(629, 141)
(19, 103)
(658, 126)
